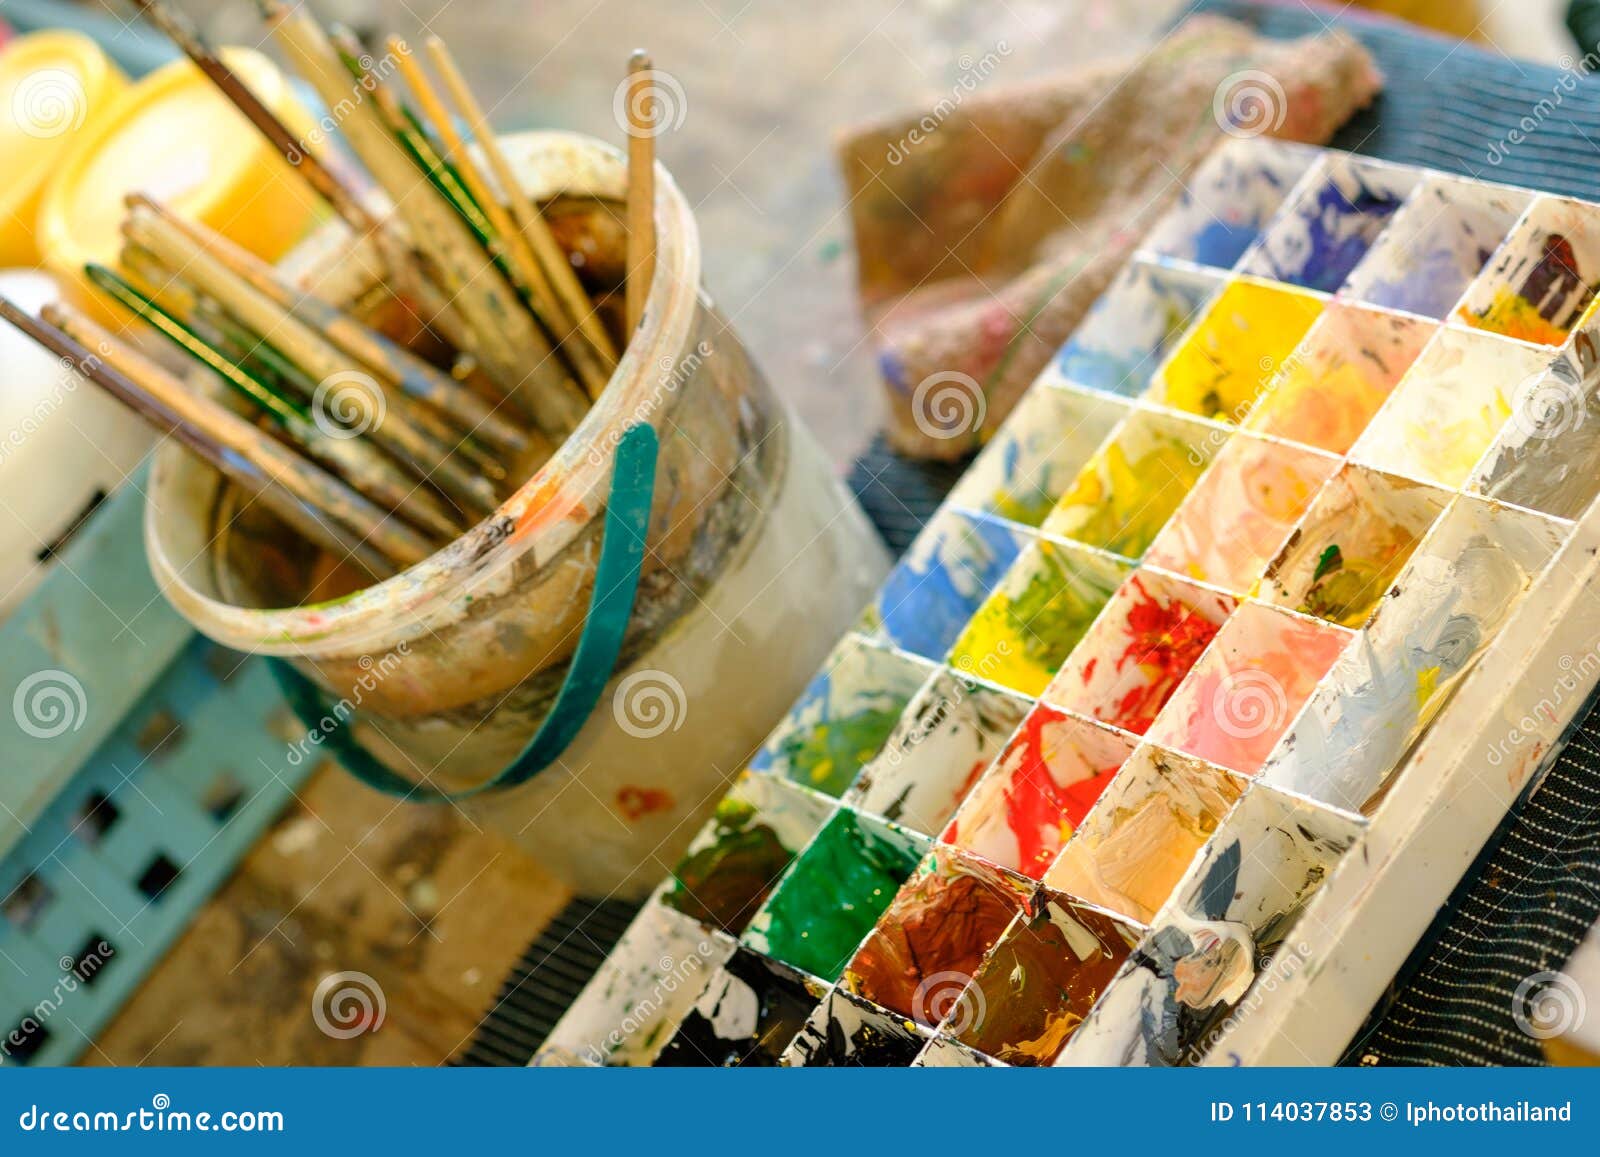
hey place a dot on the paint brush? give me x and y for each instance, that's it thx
(359, 463)
(412, 136)
(385, 358)
(319, 369)
(345, 202)
(501, 334)
(513, 245)
(261, 360)
(446, 176)
(392, 251)
(207, 320)
(641, 189)
(507, 242)
(173, 293)
(535, 230)
(486, 477)
(309, 499)
(457, 178)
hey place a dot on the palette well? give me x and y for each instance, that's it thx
(1118, 767)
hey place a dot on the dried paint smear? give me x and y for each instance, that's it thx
(843, 718)
(733, 864)
(1022, 634)
(1351, 546)
(1126, 334)
(1338, 377)
(1133, 484)
(940, 926)
(1541, 285)
(749, 1012)
(948, 735)
(1139, 651)
(1143, 834)
(1065, 795)
(1237, 518)
(1039, 791)
(1040, 982)
(1243, 694)
(834, 893)
(945, 576)
(1202, 954)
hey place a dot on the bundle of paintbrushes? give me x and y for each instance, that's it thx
(362, 446)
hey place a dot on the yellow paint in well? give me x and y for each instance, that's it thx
(1447, 453)
(1236, 349)
(1515, 316)
(1125, 494)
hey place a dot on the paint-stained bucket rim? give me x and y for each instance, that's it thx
(546, 513)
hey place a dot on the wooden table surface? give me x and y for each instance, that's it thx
(432, 909)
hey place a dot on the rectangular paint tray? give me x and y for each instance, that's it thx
(1186, 712)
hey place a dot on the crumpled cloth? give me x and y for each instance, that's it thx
(986, 228)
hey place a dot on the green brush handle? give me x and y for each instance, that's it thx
(285, 409)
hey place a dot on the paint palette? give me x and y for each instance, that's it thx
(1167, 737)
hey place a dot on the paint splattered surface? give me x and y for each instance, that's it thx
(1131, 698)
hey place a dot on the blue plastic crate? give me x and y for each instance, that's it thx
(138, 763)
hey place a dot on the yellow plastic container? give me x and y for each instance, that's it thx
(175, 137)
(55, 88)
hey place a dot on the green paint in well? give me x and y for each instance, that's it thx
(834, 894)
(725, 882)
(1020, 640)
(827, 756)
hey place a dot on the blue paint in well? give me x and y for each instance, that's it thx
(1221, 243)
(928, 598)
(1339, 230)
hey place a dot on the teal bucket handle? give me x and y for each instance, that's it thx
(616, 587)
